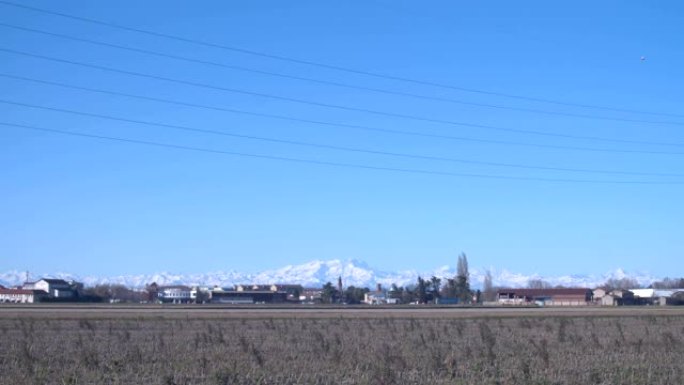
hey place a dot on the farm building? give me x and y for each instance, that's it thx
(599, 293)
(247, 296)
(174, 294)
(545, 297)
(379, 297)
(311, 295)
(289, 288)
(54, 288)
(20, 295)
(375, 298)
(253, 287)
(617, 298)
(658, 297)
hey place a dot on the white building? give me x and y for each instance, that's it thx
(656, 296)
(379, 298)
(175, 294)
(55, 288)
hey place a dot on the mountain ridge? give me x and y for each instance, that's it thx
(317, 272)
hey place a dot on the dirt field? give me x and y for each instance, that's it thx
(42, 311)
(405, 345)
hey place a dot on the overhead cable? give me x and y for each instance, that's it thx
(309, 102)
(354, 126)
(335, 164)
(330, 66)
(333, 83)
(331, 147)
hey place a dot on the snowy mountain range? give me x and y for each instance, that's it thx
(317, 273)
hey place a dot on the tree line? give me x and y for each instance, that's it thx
(424, 291)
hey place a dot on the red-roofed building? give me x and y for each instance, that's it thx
(545, 297)
(20, 295)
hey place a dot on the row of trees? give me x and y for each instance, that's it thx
(456, 289)
(112, 293)
(624, 283)
(351, 295)
(432, 290)
(669, 283)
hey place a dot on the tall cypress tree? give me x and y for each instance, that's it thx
(463, 280)
(421, 291)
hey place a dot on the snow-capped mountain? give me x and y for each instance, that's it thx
(317, 273)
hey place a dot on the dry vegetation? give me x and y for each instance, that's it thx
(638, 349)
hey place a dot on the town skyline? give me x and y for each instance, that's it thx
(353, 272)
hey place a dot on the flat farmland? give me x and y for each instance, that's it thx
(316, 345)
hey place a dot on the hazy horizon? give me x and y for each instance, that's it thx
(353, 273)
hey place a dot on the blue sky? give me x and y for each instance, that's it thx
(96, 206)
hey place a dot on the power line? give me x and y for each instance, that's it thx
(336, 164)
(330, 66)
(352, 126)
(311, 103)
(331, 147)
(330, 83)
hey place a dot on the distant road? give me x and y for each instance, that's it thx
(63, 311)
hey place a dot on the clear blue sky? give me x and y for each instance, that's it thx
(93, 206)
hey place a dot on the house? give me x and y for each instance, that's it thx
(174, 294)
(20, 295)
(375, 297)
(617, 298)
(599, 294)
(379, 297)
(253, 288)
(545, 297)
(55, 288)
(247, 296)
(293, 291)
(311, 295)
(657, 296)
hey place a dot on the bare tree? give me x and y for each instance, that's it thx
(621, 284)
(538, 284)
(488, 287)
(669, 283)
(436, 284)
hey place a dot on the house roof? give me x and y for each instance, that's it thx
(653, 293)
(668, 293)
(180, 287)
(16, 291)
(255, 292)
(54, 281)
(262, 287)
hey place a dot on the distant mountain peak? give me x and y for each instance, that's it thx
(354, 272)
